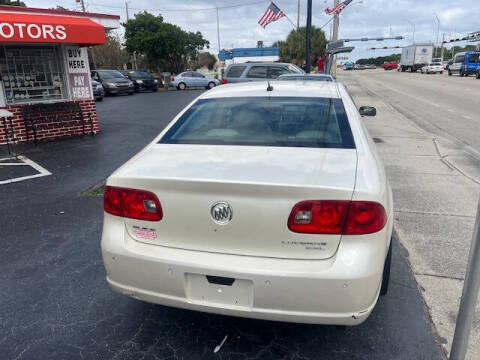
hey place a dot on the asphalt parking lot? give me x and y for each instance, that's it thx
(56, 303)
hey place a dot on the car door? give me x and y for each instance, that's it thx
(257, 73)
(187, 78)
(199, 79)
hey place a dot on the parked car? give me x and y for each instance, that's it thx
(258, 71)
(98, 91)
(371, 66)
(216, 214)
(390, 65)
(465, 63)
(432, 68)
(192, 79)
(141, 79)
(307, 77)
(113, 82)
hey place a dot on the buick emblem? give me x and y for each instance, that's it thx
(221, 212)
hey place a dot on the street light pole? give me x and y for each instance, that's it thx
(443, 41)
(218, 31)
(298, 15)
(309, 36)
(471, 287)
(438, 33)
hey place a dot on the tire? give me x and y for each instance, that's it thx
(100, 99)
(130, 93)
(441, 72)
(478, 76)
(386, 271)
(154, 90)
(462, 74)
(211, 85)
(449, 72)
(181, 86)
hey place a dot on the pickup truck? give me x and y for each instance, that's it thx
(390, 65)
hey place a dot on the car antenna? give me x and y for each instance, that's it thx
(269, 87)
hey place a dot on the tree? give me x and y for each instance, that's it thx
(204, 59)
(12, 3)
(164, 45)
(111, 55)
(378, 61)
(293, 49)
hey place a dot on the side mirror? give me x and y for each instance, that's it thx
(367, 111)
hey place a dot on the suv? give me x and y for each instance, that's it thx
(465, 63)
(258, 71)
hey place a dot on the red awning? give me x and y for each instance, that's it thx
(22, 28)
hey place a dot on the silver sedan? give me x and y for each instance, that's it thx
(192, 79)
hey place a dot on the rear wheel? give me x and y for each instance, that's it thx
(462, 74)
(182, 86)
(449, 72)
(478, 75)
(386, 271)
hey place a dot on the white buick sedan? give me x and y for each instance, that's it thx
(257, 201)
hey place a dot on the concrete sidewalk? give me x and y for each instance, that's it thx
(436, 190)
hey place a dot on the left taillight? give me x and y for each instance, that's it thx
(132, 203)
(337, 217)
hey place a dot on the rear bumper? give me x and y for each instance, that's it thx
(342, 290)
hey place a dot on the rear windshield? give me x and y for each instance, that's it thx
(264, 121)
(235, 71)
(436, 64)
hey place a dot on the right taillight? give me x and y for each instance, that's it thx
(337, 217)
(132, 203)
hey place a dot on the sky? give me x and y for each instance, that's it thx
(362, 18)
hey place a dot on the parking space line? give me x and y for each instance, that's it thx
(26, 162)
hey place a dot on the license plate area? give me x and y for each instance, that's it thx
(201, 289)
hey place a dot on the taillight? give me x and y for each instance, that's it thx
(132, 203)
(173, 78)
(337, 217)
(224, 81)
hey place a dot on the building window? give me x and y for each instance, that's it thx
(32, 73)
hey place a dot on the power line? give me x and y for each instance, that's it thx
(181, 10)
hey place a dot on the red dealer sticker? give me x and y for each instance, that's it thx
(21, 28)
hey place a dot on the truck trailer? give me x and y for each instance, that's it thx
(415, 56)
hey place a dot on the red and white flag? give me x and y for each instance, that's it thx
(273, 13)
(337, 9)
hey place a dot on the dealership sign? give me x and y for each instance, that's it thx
(78, 72)
(22, 28)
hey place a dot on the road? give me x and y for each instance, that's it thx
(445, 105)
(427, 135)
(56, 304)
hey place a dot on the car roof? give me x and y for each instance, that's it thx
(306, 75)
(280, 89)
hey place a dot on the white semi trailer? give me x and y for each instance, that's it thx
(415, 56)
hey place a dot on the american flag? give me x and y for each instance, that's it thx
(272, 14)
(337, 9)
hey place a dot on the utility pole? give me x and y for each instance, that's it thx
(218, 32)
(336, 23)
(438, 33)
(134, 65)
(298, 15)
(309, 36)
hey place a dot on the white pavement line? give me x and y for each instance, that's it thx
(26, 161)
